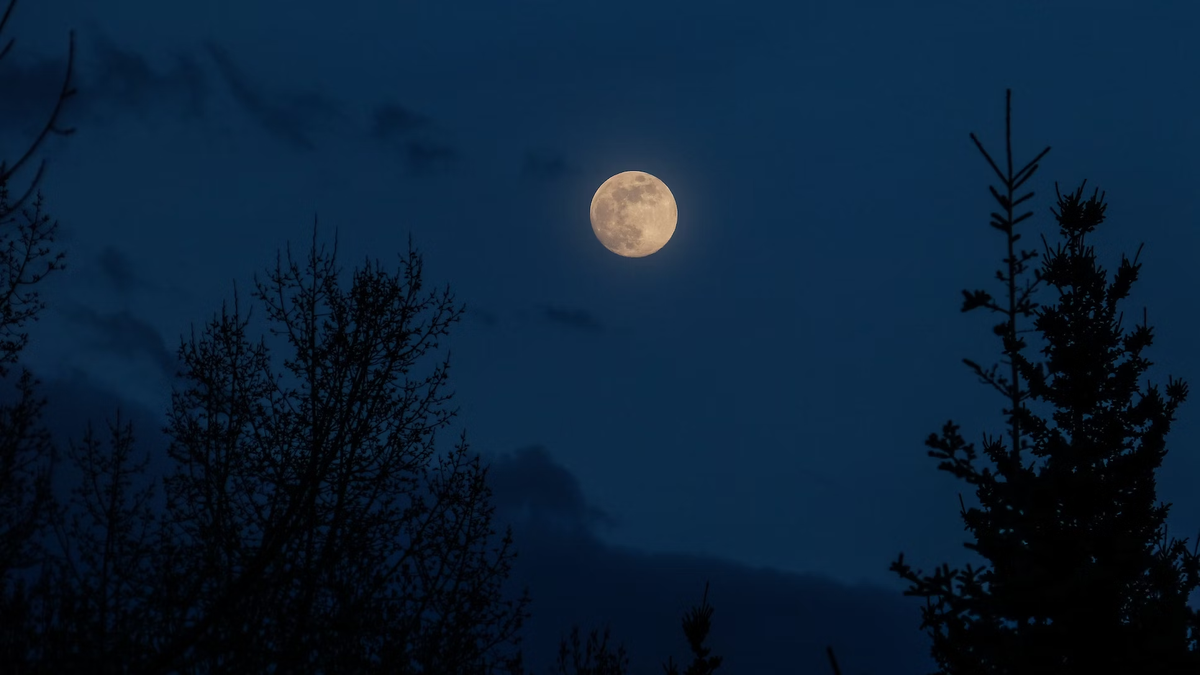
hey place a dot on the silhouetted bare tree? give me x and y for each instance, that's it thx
(314, 526)
(1082, 578)
(833, 662)
(95, 595)
(50, 127)
(26, 454)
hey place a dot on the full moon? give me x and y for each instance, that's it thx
(634, 214)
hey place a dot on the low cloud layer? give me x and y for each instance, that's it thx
(530, 487)
(766, 622)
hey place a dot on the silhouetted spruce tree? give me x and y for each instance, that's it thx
(697, 621)
(312, 523)
(26, 454)
(1082, 578)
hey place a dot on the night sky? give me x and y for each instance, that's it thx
(745, 406)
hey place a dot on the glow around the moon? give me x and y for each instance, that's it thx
(634, 214)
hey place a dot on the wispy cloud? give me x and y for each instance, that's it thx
(390, 120)
(484, 317)
(577, 319)
(127, 80)
(119, 271)
(412, 136)
(426, 156)
(544, 164)
(107, 78)
(111, 78)
(291, 116)
(123, 334)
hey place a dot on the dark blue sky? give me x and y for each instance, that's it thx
(753, 395)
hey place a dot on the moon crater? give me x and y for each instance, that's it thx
(634, 214)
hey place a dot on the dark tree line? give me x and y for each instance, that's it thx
(311, 521)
